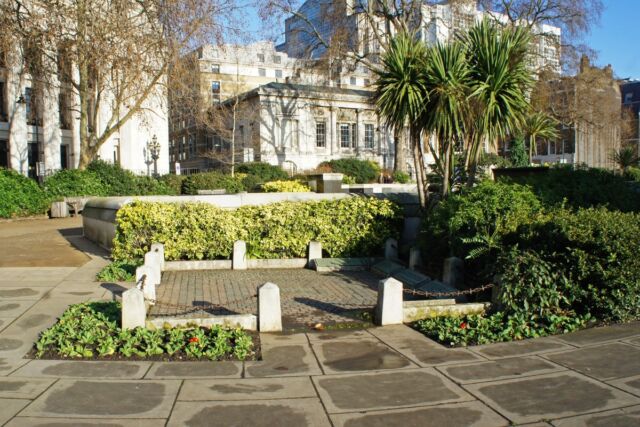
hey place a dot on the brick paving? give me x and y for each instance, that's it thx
(307, 297)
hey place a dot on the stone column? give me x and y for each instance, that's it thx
(390, 308)
(315, 252)
(239, 261)
(269, 312)
(149, 288)
(159, 249)
(17, 116)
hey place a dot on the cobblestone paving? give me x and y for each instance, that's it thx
(307, 297)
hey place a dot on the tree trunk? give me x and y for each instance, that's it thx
(400, 159)
(446, 181)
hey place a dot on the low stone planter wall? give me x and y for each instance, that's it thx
(418, 310)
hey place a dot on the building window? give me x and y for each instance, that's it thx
(276, 59)
(279, 74)
(321, 134)
(345, 135)
(215, 68)
(192, 146)
(369, 140)
(4, 154)
(352, 81)
(261, 57)
(215, 87)
(64, 111)
(628, 97)
(262, 72)
(30, 106)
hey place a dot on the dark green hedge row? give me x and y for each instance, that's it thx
(356, 226)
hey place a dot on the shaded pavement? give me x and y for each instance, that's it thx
(375, 377)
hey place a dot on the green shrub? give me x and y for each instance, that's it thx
(472, 224)
(284, 187)
(363, 171)
(250, 183)
(355, 226)
(20, 196)
(173, 181)
(582, 188)
(264, 172)
(146, 185)
(121, 182)
(632, 174)
(211, 181)
(597, 250)
(90, 330)
(74, 183)
(401, 177)
(518, 154)
(118, 271)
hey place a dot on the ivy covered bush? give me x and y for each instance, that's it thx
(90, 330)
(355, 226)
(20, 196)
(263, 172)
(74, 183)
(285, 187)
(362, 171)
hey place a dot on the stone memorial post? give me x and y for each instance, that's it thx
(389, 310)
(269, 312)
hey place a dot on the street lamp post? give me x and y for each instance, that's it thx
(153, 147)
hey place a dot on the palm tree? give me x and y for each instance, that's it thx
(625, 157)
(401, 94)
(500, 85)
(447, 78)
(539, 125)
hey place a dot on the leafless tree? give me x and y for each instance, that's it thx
(117, 51)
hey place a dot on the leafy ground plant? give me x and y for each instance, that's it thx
(90, 330)
(118, 271)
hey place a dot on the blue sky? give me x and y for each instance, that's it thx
(617, 37)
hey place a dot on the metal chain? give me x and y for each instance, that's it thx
(448, 294)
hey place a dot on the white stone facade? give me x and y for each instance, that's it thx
(43, 127)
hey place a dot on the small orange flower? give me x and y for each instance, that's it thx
(193, 339)
(463, 325)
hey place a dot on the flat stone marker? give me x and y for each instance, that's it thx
(134, 311)
(391, 249)
(239, 255)
(389, 310)
(159, 249)
(315, 252)
(269, 312)
(386, 268)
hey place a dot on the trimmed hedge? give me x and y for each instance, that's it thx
(263, 172)
(284, 187)
(356, 226)
(211, 181)
(363, 171)
(20, 196)
(74, 183)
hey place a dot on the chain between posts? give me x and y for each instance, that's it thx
(448, 294)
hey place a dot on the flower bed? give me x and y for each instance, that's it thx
(91, 331)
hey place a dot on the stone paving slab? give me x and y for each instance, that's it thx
(604, 362)
(22, 293)
(467, 414)
(263, 413)
(178, 370)
(602, 334)
(549, 396)
(23, 388)
(247, 389)
(5, 321)
(279, 339)
(624, 417)
(358, 355)
(10, 407)
(387, 390)
(14, 309)
(10, 364)
(500, 369)
(106, 399)
(520, 348)
(286, 360)
(635, 341)
(334, 335)
(42, 274)
(420, 349)
(83, 369)
(84, 422)
(630, 384)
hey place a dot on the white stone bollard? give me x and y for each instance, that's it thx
(389, 310)
(391, 249)
(453, 272)
(269, 312)
(149, 288)
(153, 261)
(134, 310)
(239, 255)
(159, 249)
(315, 252)
(59, 210)
(415, 260)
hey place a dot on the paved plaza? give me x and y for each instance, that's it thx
(376, 377)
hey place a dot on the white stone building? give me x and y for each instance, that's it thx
(39, 128)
